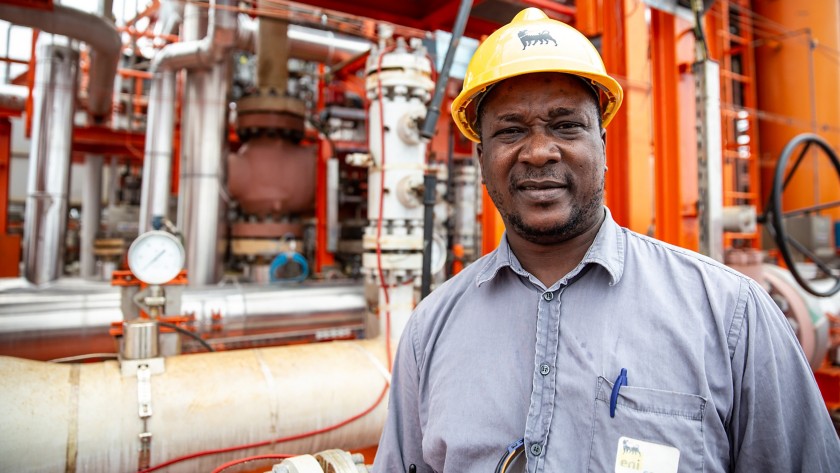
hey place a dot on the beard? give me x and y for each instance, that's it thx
(581, 215)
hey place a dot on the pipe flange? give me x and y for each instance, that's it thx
(266, 229)
(267, 102)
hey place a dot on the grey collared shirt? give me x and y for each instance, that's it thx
(716, 380)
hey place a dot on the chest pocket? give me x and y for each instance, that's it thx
(649, 425)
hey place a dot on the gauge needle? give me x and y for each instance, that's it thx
(150, 263)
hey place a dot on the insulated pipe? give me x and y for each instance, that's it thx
(13, 97)
(49, 161)
(213, 48)
(307, 44)
(85, 417)
(91, 214)
(80, 305)
(204, 147)
(99, 33)
(157, 163)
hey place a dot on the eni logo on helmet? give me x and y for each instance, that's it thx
(531, 39)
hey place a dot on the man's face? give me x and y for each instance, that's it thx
(542, 156)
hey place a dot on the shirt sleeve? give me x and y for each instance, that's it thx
(779, 422)
(401, 443)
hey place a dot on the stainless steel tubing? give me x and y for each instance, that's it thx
(91, 214)
(157, 164)
(82, 306)
(305, 43)
(49, 161)
(13, 97)
(204, 148)
(99, 33)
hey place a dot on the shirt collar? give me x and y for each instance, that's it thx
(607, 251)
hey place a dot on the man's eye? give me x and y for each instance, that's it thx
(567, 125)
(506, 131)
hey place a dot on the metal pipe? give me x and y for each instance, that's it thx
(305, 43)
(99, 33)
(273, 55)
(433, 113)
(13, 97)
(213, 48)
(49, 161)
(84, 417)
(429, 184)
(157, 164)
(91, 213)
(87, 306)
(204, 148)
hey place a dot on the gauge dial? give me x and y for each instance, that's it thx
(156, 257)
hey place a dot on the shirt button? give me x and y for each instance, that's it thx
(545, 369)
(548, 295)
(536, 449)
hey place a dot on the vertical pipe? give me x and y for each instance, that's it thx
(429, 183)
(432, 115)
(203, 148)
(91, 213)
(203, 151)
(157, 165)
(273, 55)
(49, 161)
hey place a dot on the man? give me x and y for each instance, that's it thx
(602, 349)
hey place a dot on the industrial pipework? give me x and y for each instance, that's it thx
(399, 87)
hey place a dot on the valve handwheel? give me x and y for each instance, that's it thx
(775, 215)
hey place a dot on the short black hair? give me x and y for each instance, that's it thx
(480, 110)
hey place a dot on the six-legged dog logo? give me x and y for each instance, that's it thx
(542, 37)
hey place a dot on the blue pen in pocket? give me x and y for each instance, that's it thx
(619, 382)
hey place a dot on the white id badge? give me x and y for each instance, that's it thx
(637, 456)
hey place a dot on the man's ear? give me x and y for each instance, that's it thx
(479, 150)
(604, 147)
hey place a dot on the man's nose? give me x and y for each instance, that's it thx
(540, 149)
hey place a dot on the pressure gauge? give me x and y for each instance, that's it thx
(156, 257)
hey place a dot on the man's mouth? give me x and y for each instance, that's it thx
(541, 190)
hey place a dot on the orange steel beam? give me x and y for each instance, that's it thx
(492, 226)
(108, 142)
(30, 82)
(150, 10)
(147, 34)
(550, 7)
(9, 244)
(614, 52)
(666, 128)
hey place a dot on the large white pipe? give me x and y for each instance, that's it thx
(49, 161)
(85, 417)
(98, 32)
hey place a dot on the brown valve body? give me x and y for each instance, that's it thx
(272, 177)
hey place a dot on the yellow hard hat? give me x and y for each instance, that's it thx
(532, 42)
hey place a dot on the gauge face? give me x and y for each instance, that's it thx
(156, 257)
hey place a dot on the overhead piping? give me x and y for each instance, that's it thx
(99, 33)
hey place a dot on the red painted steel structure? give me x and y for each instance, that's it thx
(668, 196)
